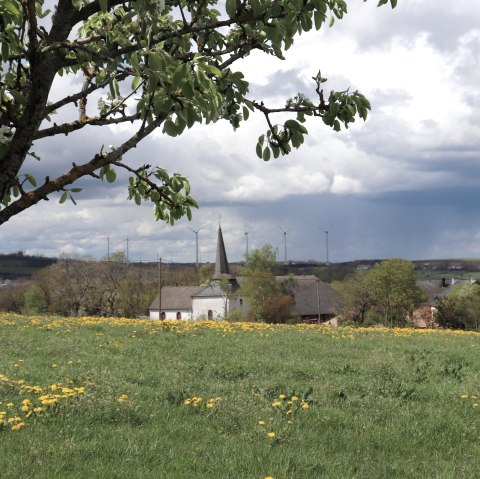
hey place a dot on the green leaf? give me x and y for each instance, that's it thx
(259, 150)
(76, 190)
(169, 128)
(331, 22)
(187, 89)
(5, 50)
(393, 3)
(266, 154)
(31, 179)
(136, 82)
(319, 19)
(178, 75)
(63, 197)
(110, 175)
(103, 5)
(231, 7)
(11, 7)
(213, 70)
(18, 97)
(155, 61)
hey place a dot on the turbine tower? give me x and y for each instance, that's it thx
(285, 243)
(327, 262)
(246, 242)
(196, 242)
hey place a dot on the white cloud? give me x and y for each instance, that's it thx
(344, 185)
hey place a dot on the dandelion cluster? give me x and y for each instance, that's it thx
(41, 401)
(285, 408)
(200, 403)
(141, 328)
(470, 398)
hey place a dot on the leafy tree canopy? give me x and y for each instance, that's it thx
(461, 308)
(388, 293)
(165, 64)
(262, 260)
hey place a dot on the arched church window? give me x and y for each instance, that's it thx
(210, 314)
(179, 315)
(162, 316)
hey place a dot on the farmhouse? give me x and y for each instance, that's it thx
(314, 299)
(435, 290)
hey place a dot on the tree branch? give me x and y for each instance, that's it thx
(67, 128)
(82, 94)
(33, 197)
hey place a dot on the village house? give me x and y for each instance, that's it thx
(314, 299)
(435, 290)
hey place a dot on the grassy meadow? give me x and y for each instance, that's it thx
(118, 398)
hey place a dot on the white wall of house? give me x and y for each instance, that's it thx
(202, 305)
(185, 315)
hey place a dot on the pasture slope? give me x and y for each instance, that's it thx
(117, 398)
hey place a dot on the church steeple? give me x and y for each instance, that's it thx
(221, 264)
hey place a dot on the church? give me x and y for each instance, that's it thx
(212, 301)
(314, 299)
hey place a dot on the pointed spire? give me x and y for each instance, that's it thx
(221, 263)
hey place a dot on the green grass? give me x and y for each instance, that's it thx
(381, 404)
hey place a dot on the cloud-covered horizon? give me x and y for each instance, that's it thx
(403, 184)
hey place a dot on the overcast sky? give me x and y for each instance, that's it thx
(403, 184)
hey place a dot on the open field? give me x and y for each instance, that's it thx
(113, 398)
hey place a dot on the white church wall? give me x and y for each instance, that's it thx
(201, 307)
(185, 315)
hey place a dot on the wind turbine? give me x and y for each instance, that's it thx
(196, 241)
(285, 242)
(326, 243)
(246, 242)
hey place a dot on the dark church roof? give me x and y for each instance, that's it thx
(221, 264)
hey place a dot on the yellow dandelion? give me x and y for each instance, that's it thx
(294, 398)
(276, 404)
(282, 396)
(25, 408)
(262, 423)
(464, 396)
(210, 404)
(18, 426)
(271, 434)
(305, 405)
(187, 402)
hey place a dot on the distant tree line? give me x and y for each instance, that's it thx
(73, 287)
